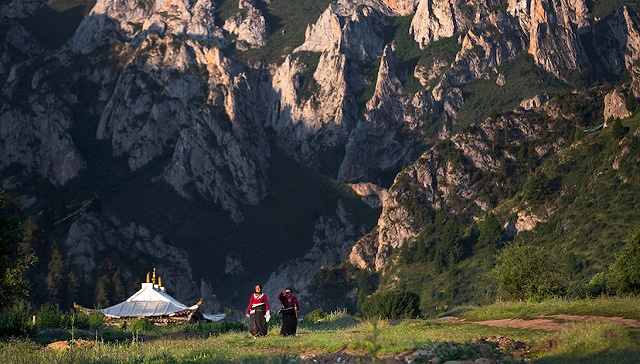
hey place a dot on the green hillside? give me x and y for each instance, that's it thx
(585, 196)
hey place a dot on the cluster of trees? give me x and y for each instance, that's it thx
(22, 243)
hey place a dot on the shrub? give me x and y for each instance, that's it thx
(624, 272)
(142, 325)
(314, 316)
(217, 328)
(50, 316)
(529, 272)
(394, 304)
(91, 321)
(16, 321)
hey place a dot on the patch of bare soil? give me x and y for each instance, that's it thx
(67, 344)
(616, 320)
(554, 322)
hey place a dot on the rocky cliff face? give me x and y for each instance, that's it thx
(98, 236)
(161, 83)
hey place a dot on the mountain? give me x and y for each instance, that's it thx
(232, 143)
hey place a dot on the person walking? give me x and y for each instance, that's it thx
(257, 311)
(289, 312)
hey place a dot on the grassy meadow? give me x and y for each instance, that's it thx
(340, 336)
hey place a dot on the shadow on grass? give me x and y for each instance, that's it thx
(628, 355)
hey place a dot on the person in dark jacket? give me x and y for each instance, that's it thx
(289, 312)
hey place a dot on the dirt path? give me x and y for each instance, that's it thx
(549, 322)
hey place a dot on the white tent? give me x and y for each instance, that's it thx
(153, 302)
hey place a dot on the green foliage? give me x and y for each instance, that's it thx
(287, 21)
(491, 233)
(523, 79)
(618, 130)
(15, 320)
(14, 259)
(314, 316)
(207, 329)
(142, 326)
(625, 271)
(537, 189)
(529, 272)
(51, 317)
(393, 304)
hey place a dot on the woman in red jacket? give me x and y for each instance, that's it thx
(289, 312)
(257, 309)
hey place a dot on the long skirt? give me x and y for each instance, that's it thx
(289, 322)
(258, 323)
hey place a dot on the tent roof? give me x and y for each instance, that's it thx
(149, 301)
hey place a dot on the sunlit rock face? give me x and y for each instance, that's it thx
(161, 85)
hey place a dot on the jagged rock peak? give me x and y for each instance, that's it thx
(131, 21)
(435, 19)
(402, 7)
(355, 30)
(552, 28)
(249, 25)
(388, 83)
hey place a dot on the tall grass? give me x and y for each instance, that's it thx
(580, 343)
(628, 307)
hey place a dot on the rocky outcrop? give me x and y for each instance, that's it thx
(444, 176)
(95, 237)
(356, 32)
(553, 31)
(333, 238)
(36, 118)
(312, 110)
(615, 106)
(248, 25)
(440, 19)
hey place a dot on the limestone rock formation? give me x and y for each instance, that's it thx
(248, 25)
(333, 239)
(615, 106)
(98, 236)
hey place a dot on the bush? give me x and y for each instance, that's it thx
(142, 325)
(314, 316)
(529, 272)
(624, 273)
(217, 328)
(50, 316)
(91, 321)
(15, 321)
(392, 305)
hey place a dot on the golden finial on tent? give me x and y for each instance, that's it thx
(148, 277)
(153, 278)
(159, 281)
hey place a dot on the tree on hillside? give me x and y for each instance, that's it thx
(625, 271)
(491, 233)
(14, 258)
(392, 305)
(537, 189)
(55, 275)
(529, 272)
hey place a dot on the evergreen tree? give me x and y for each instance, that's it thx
(625, 271)
(73, 283)
(118, 287)
(55, 276)
(14, 258)
(618, 130)
(102, 292)
(491, 233)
